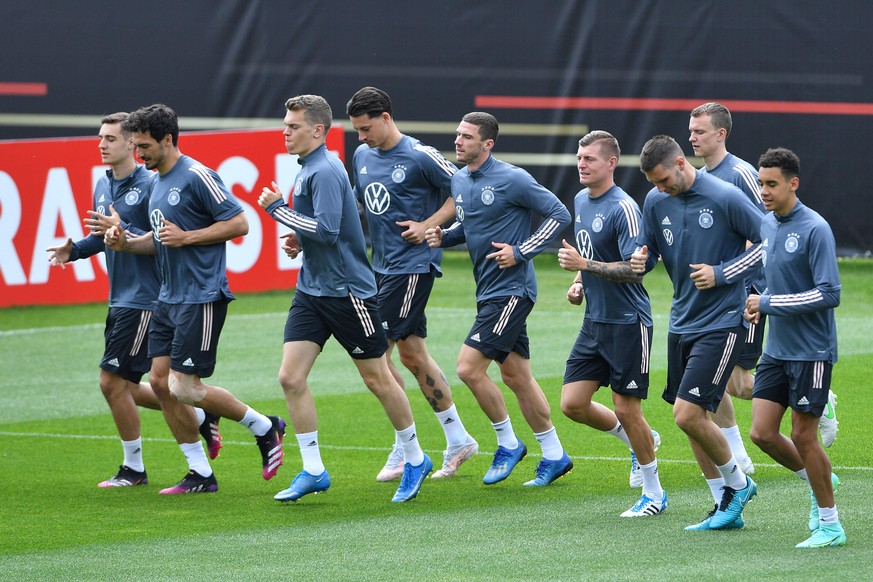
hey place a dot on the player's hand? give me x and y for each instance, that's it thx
(753, 307)
(504, 255)
(100, 223)
(115, 238)
(434, 237)
(415, 231)
(638, 260)
(268, 196)
(569, 258)
(171, 235)
(576, 293)
(60, 256)
(703, 275)
(290, 244)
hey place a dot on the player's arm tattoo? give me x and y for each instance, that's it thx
(618, 272)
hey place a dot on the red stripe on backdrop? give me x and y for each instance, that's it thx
(35, 89)
(629, 103)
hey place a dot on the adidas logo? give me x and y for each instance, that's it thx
(113, 362)
(695, 391)
(363, 170)
(803, 401)
(578, 218)
(449, 420)
(357, 350)
(102, 198)
(385, 325)
(666, 221)
(312, 444)
(188, 362)
(632, 385)
(137, 451)
(459, 198)
(475, 337)
(412, 438)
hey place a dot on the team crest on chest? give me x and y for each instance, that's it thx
(705, 219)
(298, 187)
(488, 195)
(175, 196)
(792, 242)
(132, 196)
(597, 223)
(398, 174)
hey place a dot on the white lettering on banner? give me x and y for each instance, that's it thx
(10, 220)
(242, 256)
(287, 169)
(58, 203)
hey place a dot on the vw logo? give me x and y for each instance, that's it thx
(377, 198)
(668, 236)
(583, 243)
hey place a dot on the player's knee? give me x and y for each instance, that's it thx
(185, 389)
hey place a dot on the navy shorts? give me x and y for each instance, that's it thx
(126, 353)
(354, 322)
(501, 328)
(802, 386)
(700, 364)
(615, 355)
(188, 333)
(402, 299)
(753, 344)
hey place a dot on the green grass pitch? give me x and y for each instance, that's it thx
(57, 441)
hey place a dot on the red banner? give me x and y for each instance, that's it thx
(46, 187)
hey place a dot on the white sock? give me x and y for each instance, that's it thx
(133, 454)
(733, 475)
(310, 452)
(735, 440)
(651, 482)
(715, 486)
(200, 414)
(505, 435)
(196, 457)
(828, 515)
(412, 452)
(551, 444)
(618, 432)
(256, 422)
(456, 434)
(802, 474)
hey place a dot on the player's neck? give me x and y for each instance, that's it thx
(598, 190)
(715, 159)
(170, 161)
(392, 140)
(123, 169)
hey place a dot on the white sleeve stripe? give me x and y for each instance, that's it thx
(733, 270)
(751, 181)
(539, 237)
(805, 298)
(441, 161)
(210, 183)
(633, 225)
(294, 219)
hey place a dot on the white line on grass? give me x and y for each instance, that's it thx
(369, 449)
